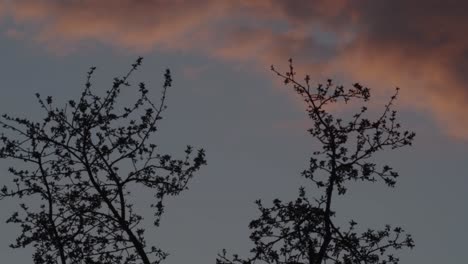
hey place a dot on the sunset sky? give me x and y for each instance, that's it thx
(226, 100)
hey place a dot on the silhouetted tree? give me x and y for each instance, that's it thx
(304, 231)
(81, 165)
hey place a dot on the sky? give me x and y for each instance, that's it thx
(226, 100)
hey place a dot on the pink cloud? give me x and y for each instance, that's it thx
(145, 26)
(419, 46)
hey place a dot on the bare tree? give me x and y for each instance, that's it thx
(305, 230)
(80, 163)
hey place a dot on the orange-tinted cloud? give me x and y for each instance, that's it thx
(420, 46)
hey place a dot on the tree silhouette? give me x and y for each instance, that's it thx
(80, 163)
(304, 231)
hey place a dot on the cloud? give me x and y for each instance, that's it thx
(146, 25)
(419, 46)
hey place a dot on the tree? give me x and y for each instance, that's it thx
(80, 164)
(304, 230)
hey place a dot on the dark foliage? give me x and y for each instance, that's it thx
(304, 230)
(79, 163)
